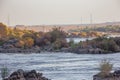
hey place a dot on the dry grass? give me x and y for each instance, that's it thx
(105, 68)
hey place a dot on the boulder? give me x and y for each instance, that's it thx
(117, 72)
(112, 76)
(26, 75)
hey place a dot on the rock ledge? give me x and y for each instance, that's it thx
(26, 75)
(112, 76)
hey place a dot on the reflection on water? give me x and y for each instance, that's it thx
(59, 66)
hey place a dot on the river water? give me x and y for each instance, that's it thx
(77, 40)
(59, 66)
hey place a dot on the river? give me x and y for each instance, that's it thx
(77, 40)
(59, 66)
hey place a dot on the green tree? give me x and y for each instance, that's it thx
(57, 33)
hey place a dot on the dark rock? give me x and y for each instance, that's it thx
(23, 75)
(86, 50)
(112, 76)
(117, 72)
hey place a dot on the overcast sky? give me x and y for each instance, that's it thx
(36, 12)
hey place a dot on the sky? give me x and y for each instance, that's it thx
(48, 12)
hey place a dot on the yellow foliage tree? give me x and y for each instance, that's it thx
(83, 34)
(29, 42)
(3, 30)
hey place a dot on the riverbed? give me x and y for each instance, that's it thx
(59, 66)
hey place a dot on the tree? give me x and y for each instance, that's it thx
(43, 39)
(83, 34)
(29, 42)
(108, 45)
(57, 33)
(3, 30)
(60, 43)
(17, 33)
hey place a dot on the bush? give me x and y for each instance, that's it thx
(57, 33)
(20, 44)
(60, 43)
(117, 40)
(42, 41)
(105, 68)
(74, 45)
(29, 42)
(3, 30)
(1, 42)
(71, 43)
(108, 45)
(4, 72)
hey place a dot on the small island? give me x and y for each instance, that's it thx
(14, 40)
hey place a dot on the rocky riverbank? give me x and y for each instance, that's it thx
(18, 50)
(37, 49)
(112, 76)
(86, 51)
(87, 47)
(28, 41)
(67, 50)
(26, 75)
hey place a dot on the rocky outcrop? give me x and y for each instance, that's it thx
(49, 48)
(112, 76)
(22, 75)
(87, 50)
(19, 50)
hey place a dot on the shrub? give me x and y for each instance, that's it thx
(105, 68)
(74, 45)
(29, 42)
(3, 30)
(117, 40)
(71, 43)
(20, 44)
(57, 33)
(108, 45)
(4, 72)
(60, 43)
(42, 41)
(1, 42)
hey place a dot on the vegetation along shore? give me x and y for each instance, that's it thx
(14, 40)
